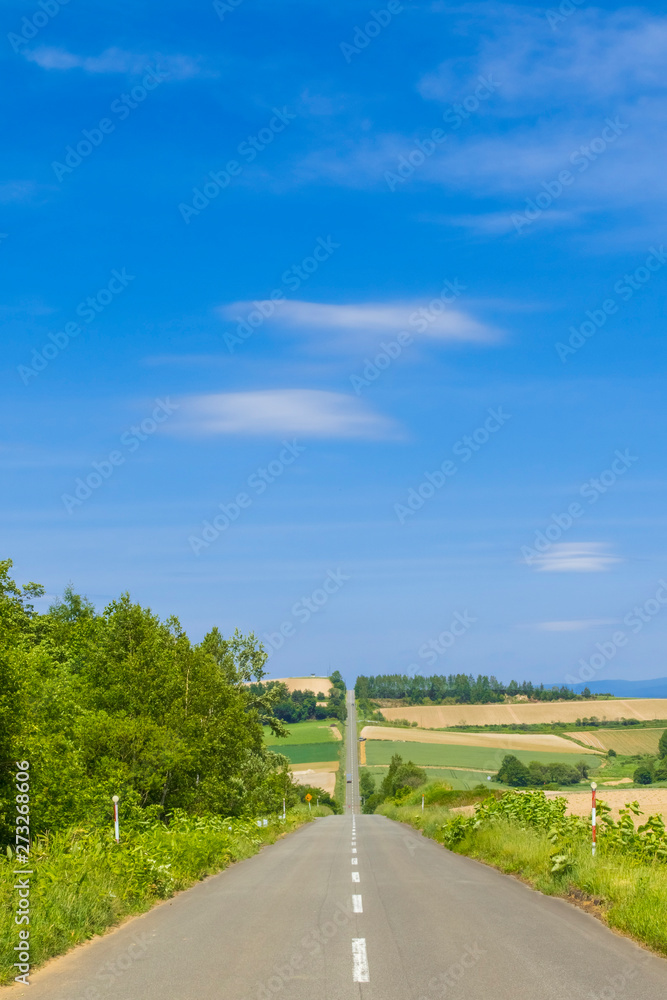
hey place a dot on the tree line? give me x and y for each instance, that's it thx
(459, 689)
(300, 706)
(120, 702)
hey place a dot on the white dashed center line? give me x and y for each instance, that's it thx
(355, 861)
(354, 850)
(356, 905)
(360, 973)
(355, 877)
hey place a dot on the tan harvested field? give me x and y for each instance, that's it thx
(651, 801)
(314, 684)
(334, 732)
(326, 780)
(441, 716)
(513, 741)
(317, 765)
(627, 742)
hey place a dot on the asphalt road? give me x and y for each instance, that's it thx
(357, 906)
(351, 758)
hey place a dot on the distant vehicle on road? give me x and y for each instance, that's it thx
(362, 739)
(349, 779)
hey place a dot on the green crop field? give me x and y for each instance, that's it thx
(303, 732)
(457, 779)
(308, 753)
(442, 754)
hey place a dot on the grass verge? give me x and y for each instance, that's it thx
(627, 893)
(84, 883)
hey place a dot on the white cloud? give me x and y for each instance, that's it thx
(576, 557)
(304, 412)
(369, 320)
(579, 625)
(114, 60)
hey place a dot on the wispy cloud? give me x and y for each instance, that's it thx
(576, 557)
(368, 320)
(304, 412)
(115, 60)
(578, 625)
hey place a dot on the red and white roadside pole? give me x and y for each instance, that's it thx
(115, 818)
(593, 816)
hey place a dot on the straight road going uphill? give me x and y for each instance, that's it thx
(357, 906)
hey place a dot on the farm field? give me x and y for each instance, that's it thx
(326, 780)
(320, 731)
(475, 757)
(651, 801)
(509, 741)
(306, 753)
(458, 778)
(441, 716)
(628, 743)
(314, 684)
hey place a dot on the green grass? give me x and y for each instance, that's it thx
(442, 754)
(84, 883)
(303, 732)
(457, 779)
(310, 753)
(634, 894)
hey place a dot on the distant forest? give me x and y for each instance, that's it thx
(460, 689)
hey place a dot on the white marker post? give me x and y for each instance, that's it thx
(283, 809)
(422, 803)
(115, 818)
(593, 815)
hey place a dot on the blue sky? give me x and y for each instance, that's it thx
(314, 320)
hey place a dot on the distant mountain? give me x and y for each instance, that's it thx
(654, 688)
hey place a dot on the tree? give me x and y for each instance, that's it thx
(366, 783)
(662, 745)
(643, 774)
(513, 772)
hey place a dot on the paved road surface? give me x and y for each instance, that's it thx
(357, 906)
(351, 757)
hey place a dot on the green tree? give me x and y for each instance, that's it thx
(366, 783)
(662, 744)
(643, 775)
(513, 772)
